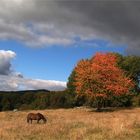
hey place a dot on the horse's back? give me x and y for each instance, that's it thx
(30, 114)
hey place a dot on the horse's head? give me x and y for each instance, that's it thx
(45, 120)
(42, 117)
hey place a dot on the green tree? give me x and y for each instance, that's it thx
(131, 64)
(41, 101)
(70, 83)
(6, 103)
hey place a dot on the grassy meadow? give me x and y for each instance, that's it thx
(72, 124)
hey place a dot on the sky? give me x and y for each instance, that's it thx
(41, 41)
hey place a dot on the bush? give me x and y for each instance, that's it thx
(61, 99)
(136, 101)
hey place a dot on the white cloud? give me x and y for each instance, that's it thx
(43, 84)
(15, 83)
(5, 61)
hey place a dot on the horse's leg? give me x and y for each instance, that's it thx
(27, 120)
(38, 121)
(31, 121)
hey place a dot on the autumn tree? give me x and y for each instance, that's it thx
(100, 78)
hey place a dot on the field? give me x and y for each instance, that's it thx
(72, 124)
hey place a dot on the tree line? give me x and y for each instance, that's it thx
(35, 99)
(32, 100)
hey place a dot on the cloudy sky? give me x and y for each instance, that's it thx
(42, 40)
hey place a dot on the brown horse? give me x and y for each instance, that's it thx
(37, 116)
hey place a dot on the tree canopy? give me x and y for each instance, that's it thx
(100, 77)
(130, 64)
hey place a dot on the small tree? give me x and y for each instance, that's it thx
(100, 78)
(71, 81)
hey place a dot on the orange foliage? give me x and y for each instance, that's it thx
(101, 77)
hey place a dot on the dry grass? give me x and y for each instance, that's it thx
(72, 124)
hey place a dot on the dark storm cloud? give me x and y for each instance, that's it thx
(41, 22)
(115, 20)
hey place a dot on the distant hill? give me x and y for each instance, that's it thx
(29, 91)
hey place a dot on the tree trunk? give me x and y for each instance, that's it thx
(99, 105)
